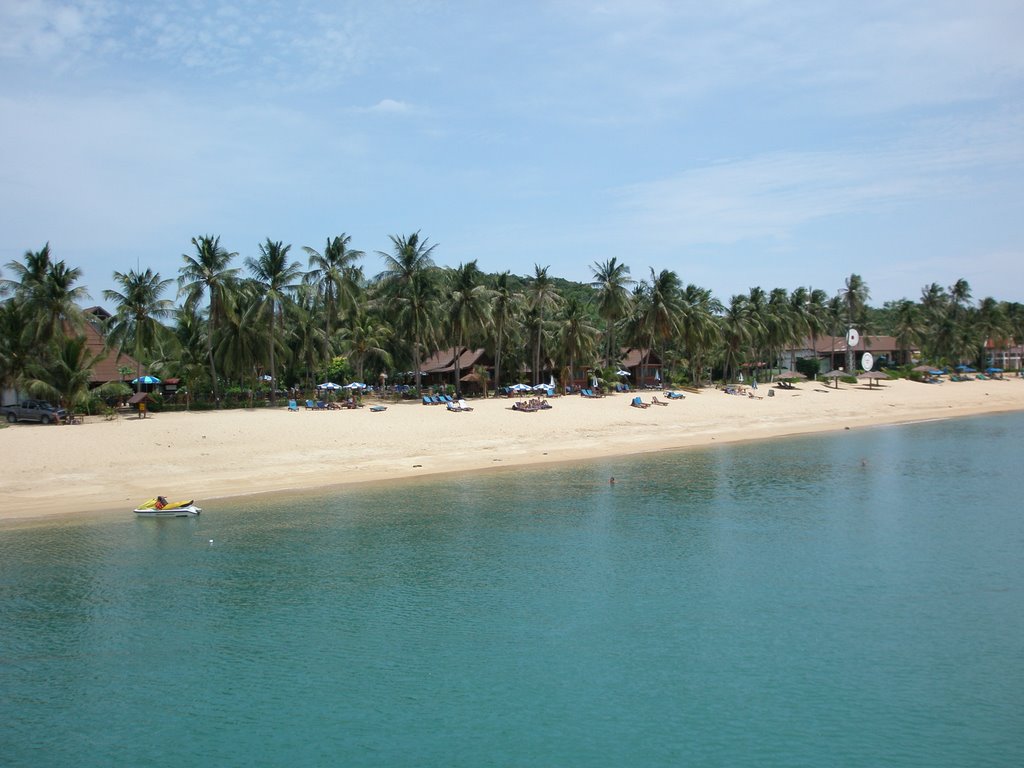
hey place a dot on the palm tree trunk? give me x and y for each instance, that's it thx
(273, 369)
(497, 357)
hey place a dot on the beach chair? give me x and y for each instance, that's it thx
(638, 403)
(310, 405)
(321, 405)
(378, 408)
(293, 406)
(427, 400)
(674, 395)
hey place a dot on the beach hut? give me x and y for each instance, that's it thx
(140, 401)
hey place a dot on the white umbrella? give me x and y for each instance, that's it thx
(621, 372)
(328, 385)
(355, 385)
(539, 387)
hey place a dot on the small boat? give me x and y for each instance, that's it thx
(159, 508)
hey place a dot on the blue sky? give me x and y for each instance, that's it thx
(739, 143)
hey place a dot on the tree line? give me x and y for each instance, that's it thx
(234, 322)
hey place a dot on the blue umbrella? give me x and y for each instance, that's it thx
(328, 385)
(147, 379)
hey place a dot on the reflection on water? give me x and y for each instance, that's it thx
(850, 599)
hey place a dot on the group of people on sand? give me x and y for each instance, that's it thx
(533, 404)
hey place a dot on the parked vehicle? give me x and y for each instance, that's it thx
(33, 410)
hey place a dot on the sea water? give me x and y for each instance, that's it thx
(851, 599)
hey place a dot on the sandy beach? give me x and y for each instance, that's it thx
(106, 467)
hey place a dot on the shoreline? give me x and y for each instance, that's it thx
(102, 469)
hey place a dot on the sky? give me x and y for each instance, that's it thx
(740, 144)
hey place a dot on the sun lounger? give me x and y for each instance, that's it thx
(321, 405)
(463, 407)
(656, 401)
(674, 395)
(427, 400)
(293, 406)
(638, 403)
(378, 408)
(310, 405)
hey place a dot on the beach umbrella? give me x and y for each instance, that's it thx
(922, 368)
(328, 385)
(147, 379)
(834, 374)
(355, 385)
(621, 372)
(540, 387)
(657, 374)
(783, 375)
(871, 376)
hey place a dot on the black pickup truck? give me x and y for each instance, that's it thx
(33, 410)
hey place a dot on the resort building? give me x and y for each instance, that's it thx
(830, 352)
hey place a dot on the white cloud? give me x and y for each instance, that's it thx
(389, 107)
(772, 194)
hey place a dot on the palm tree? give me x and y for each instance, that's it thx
(365, 336)
(738, 327)
(136, 320)
(18, 351)
(209, 273)
(277, 279)
(960, 296)
(66, 377)
(855, 297)
(576, 336)
(613, 299)
(406, 278)
(661, 308)
(334, 275)
(542, 298)
(701, 332)
(417, 315)
(908, 328)
(816, 315)
(468, 310)
(306, 339)
(504, 309)
(239, 346)
(191, 353)
(990, 324)
(49, 292)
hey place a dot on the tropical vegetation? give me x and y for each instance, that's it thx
(268, 322)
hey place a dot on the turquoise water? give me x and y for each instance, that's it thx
(854, 599)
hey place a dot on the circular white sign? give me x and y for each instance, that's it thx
(852, 337)
(867, 361)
